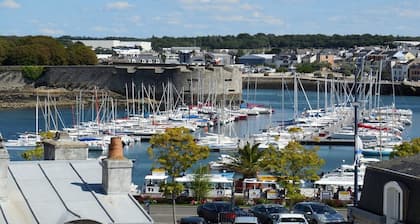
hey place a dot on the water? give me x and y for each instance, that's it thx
(15, 121)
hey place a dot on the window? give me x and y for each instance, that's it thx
(393, 202)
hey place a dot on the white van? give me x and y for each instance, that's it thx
(246, 220)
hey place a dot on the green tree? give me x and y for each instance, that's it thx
(293, 164)
(32, 72)
(36, 153)
(175, 151)
(406, 148)
(5, 46)
(201, 183)
(79, 54)
(248, 161)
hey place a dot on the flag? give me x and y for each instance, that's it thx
(359, 149)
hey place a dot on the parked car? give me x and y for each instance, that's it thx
(318, 213)
(219, 211)
(267, 213)
(291, 218)
(246, 220)
(192, 220)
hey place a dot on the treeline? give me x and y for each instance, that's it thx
(43, 50)
(261, 40)
(271, 41)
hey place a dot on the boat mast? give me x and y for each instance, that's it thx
(295, 96)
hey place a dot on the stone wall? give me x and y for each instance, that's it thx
(200, 81)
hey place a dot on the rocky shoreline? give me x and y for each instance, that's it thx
(26, 97)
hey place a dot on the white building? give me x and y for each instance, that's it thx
(400, 71)
(109, 44)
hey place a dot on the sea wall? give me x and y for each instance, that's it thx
(190, 82)
(312, 84)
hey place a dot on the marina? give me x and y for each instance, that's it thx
(19, 121)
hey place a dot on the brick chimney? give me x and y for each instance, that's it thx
(116, 169)
(62, 147)
(4, 166)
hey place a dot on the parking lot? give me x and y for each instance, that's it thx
(162, 213)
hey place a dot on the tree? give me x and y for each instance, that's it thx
(79, 54)
(293, 164)
(406, 148)
(175, 151)
(247, 161)
(36, 153)
(201, 183)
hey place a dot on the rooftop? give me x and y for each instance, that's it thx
(407, 165)
(65, 191)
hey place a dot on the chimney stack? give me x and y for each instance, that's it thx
(4, 167)
(116, 169)
(62, 147)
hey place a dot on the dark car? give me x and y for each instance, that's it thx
(318, 213)
(266, 213)
(192, 220)
(219, 211)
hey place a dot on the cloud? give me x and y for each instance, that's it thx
(254, 18)
(196, 26)
(118, 5)
(171, 19)
(212, 5)
(11, 4)
(249, 7)
(409, 13)
(51, 31)
(136, 20)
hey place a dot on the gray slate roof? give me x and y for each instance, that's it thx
(64, 191)
(407, 165)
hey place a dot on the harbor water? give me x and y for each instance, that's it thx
(15, 121)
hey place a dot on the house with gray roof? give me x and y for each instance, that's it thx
(68, 188)
(390, 193)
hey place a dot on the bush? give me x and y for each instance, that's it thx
(260, 200)
(336, 203)
(239, 201)
(32, 72)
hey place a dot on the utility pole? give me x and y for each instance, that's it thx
(356, 145)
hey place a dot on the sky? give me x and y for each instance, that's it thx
(189, 18)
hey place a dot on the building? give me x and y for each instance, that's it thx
(257, 59)
(68, 188)
(400, 71)
(309, 58)
(183, 49)
(390, 193)
(325, 56)
(220, 58)
(414, 72)
(285, 60)
(109, 44)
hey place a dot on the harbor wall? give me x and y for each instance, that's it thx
(403, 88)
(190, 82)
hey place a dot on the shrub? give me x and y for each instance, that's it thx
(32, 72)
(260, 200)
(239, 201)
(336, 203)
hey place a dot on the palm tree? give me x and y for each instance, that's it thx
(247, 161)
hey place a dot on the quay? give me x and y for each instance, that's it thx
(327, 141)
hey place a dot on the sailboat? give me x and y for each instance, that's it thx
(27, 139)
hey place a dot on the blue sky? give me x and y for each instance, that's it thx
(144, 18)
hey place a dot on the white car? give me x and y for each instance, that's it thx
(291, 218)
(246, 220)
